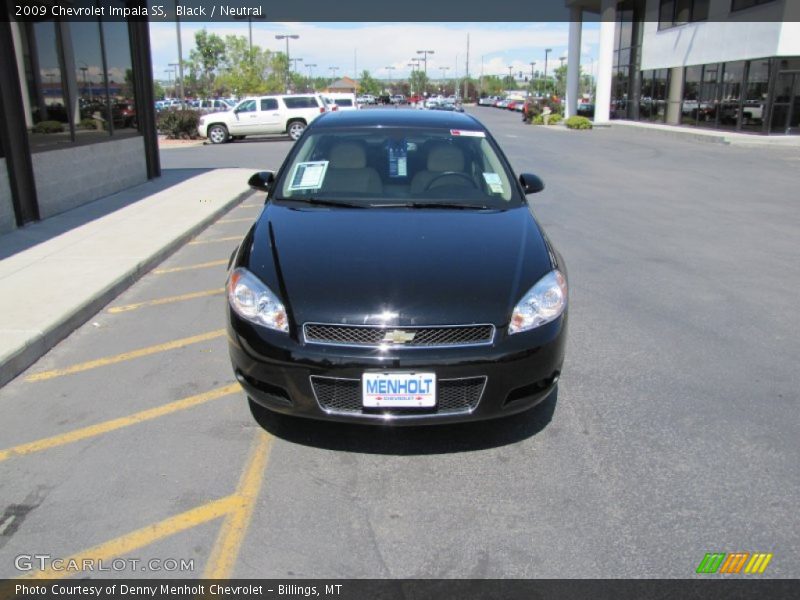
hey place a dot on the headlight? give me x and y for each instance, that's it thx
(543, 303)
(254, 301)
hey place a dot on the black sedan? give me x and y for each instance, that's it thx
(396, 275)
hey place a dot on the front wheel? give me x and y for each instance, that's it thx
(296, 129)
(218, 134)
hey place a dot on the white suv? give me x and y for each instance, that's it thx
(263, 115)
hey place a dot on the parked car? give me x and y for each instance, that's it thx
(343, 101)
(366, 99)
(449, 104)
(123, 114)
(263, 115)
(211, 105)
(380, 320)
(488, 100)
(398, 99)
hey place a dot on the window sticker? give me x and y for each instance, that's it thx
(467, 133)
(494, 182)
(398, 158)
(308, 175)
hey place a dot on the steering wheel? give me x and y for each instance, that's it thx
(458, 174)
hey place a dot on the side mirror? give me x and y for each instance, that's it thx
(531, 184)
(261, 181)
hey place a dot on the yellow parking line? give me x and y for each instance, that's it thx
(167, 300)
(110, 360)
(145, 536)
(234, 528)
(214, 240)
(114, 424)
(205, 265)
(245, 220)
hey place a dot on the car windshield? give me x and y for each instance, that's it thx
(374, 167)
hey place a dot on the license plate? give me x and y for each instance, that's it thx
(399, 390)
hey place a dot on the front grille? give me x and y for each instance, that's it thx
(344, 396)
(423, 337)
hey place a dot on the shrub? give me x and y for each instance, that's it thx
(88, 123)
(48, 127)
(178, 124)
(554, 118)
(578, 123)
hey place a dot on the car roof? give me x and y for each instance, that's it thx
(391, 117)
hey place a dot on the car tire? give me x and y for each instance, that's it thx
(295, 129)
(218, 134)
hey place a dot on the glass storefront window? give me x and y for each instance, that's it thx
(708, 105)
(120, 77)
(756, 95)
(83, 95)
(48, 116)
(653, 95)
(92, 103)
(730, 98)
(690, 106)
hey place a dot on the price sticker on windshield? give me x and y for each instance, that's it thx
(308, 175)
(494, 182)
(467, 133)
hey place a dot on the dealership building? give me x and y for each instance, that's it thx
(76, 105)
(720, 64)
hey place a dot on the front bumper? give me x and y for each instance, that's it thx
(277, 372)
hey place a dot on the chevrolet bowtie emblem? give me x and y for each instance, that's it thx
(398, 336)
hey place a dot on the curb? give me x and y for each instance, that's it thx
(33, 350)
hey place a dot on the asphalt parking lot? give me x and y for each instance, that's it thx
(675, 430)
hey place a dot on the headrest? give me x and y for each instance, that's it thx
(445, 157)
(348, 155)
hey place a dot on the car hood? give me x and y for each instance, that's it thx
(425, 266)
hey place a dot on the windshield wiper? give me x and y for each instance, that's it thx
(447, 205)
(324, 202)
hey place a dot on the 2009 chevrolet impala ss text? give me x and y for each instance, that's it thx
(396, 275)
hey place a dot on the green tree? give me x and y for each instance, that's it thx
(492, 85)
(158, 90)
(249, 72)
(419, 82)
(368, 84)
(206, 57)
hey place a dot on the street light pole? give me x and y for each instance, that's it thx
(178, 90)
(546, 52)
(287, 37)
(169, 78)
(425, 61)
(85, 69)
(390, 69)
(444, 71)
(310, 78)
(414, 65)
(334, 69)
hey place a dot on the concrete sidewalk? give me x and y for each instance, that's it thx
(718, 136)
(55, 274)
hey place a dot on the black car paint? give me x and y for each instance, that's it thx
(426, 266)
